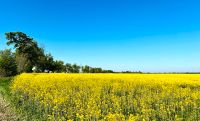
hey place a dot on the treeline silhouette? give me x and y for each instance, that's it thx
(29, 57)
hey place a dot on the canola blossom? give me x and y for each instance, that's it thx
(109, 97)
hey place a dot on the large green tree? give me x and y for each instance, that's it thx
(27, 50)
(8, 66)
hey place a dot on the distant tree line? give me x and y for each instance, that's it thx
(139, 72)
(29, 57)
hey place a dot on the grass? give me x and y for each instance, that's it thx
(7, 109)
(5, 87)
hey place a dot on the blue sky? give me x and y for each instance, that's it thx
(145, 35)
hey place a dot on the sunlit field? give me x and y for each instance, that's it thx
(119, 97)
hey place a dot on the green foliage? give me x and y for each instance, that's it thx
(76, 68)
(68, 68)
(8, 66)
(26, 49)
(58, 66)
(5, 87)
(30, 57)
(46, 63)
(86, 69)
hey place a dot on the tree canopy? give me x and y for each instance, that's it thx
(28, 56)
(26, 48)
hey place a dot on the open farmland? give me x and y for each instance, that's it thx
(108, 96)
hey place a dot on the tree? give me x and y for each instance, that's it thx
(22, 62)
(76, 68)
(8, 66)
(49, 62)
(30, 57)
(99, 70)
(96, 70)
(26, 49)
(108, 71)
(68, 68)
(59, 66)
(45, 63)
(86, 69)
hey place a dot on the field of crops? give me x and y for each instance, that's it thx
(109, 97)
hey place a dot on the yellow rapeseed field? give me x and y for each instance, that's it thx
(110, 97)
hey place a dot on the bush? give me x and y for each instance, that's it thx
(8, 66)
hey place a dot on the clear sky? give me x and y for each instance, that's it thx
(145, 35)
